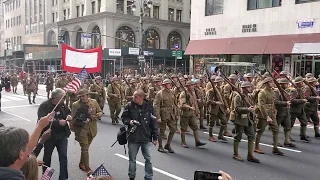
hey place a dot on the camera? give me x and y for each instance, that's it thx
(135, 122)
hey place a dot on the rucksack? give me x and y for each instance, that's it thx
(122, 138)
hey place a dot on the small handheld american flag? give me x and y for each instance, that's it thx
(77, 81)
(100, 171)
(47, 174)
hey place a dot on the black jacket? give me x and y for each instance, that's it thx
(10, 174)
(62, 111)
(148, 128)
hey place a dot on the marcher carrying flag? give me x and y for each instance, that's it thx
(77, 81)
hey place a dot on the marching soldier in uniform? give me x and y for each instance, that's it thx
(166, 112)
(267, 115)
(31, 88)
(14, 83)
(128, 93)
(154, 89)
(249, 77)
(189, 112)
(49, 84)
(85, 129)
(244, 122)
(98, 92)
(114, 93)
(144, 85)
(200, 99)
(217, 107)
(24, 83)
(62, 83)
(297, 109)
(311, 106)
(283, 115)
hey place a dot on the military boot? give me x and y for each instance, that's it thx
(160, 147)
(211, 138)
(183, 140)
(250, 156)
(33, 100)
(287, 142)
(276, 151)
(29, 98)
(303, 135)
(226, 133)
(197, 139)
(85, 157)
(257, 148)
(168, 147)
(221, 137)
(316, 132)
(236, 152)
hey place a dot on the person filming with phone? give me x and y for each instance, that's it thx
(138, 115)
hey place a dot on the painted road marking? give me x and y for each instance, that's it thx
(268, 145)
(155, 169)
(17, 116)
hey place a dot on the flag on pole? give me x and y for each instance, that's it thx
(77, 81)
(100, 171)
(47, 174)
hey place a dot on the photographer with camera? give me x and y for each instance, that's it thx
(60, 130)
(138, 115)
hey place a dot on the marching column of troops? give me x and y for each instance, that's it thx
(182, 100)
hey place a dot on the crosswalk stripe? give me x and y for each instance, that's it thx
(12, 98)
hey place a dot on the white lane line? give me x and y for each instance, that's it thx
(12, 98)
(11, 107)
(19, 96)
(5, 100)
(155, 169)
(17, 116)
(308, 126)
(268, 145)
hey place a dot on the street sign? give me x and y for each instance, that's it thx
(179, 56)
(141, 58)
(177, 47)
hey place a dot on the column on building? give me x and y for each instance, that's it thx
(60, 11)
(125, 5)
(111, 6)
(103, 6)
(186, 12)
(164, 10)
(103, 30)
(97, 7)
(151, 12)
(87, 7)
(110, 30)
(72, 6)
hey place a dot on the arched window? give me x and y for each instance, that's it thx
(52, 39)
(79, 44)
(125, 37)
(96, 37)
(174, 38)
(152, 39)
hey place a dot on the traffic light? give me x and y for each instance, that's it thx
(61, 39)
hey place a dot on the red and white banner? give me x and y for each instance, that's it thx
(73, 60)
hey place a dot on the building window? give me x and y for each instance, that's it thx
(146, 11)
(53, 2)
(68, 12)
(40, 6)
(305, 1)
(93, 7)
(125, 37)
(82, 9)
(20, 40)
(99, 5)
(261, 4)
(129, 7)
(14, 41)
(156, 12)
(152, 39)
(78, 10)
(179, 14)
(173, 39)
(64, 14)
(96, 37)
(171, 14)
(53, 17)
(214, 7)
(120, 5)
(79, 43)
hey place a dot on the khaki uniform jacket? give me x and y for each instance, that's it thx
(200, 96)
(153, 91)
(243, 116)
(128, 93)
(62, 83)
(14, 80)
(91, 126)
(281, 105)
(312, 104)
(186, 101)
(114, 92)
(297, 104)
(97, 88)
(49, 83)
(266, 104)
(31, 84)
(164, 105)
(214, 96)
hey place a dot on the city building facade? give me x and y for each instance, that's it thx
(275, 34)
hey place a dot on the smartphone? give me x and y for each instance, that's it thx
(205, 175)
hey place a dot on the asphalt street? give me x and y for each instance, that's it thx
(297, 164)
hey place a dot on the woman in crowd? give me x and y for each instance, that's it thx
(30, 168)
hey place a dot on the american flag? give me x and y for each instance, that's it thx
(100, 171)
(47, 174)
(77, 81)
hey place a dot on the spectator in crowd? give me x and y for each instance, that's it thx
(30, 168)
(143, 129)
(16, 146)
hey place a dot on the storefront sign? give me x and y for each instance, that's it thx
(134, 51)
(308, 23)
(249, 28)
(210, 31)
(114, 52)
(148, 53)
(179, 56)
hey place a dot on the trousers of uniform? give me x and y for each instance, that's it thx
(248, 130)
(313, 115)
(192, 123)
(285, 122)
(101, 104)
(201, 108)
(171, 123)
(261, 126)
(303, 121)
(62, 148)
(145, 150)
(215, 117)
(34, 93)
(115, 109)
(85, 139)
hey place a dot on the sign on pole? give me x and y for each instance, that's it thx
(177, 47)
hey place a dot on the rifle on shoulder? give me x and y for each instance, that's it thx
(302, 96)
(283, 93)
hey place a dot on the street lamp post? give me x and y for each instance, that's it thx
(7, 41)
(141, 4)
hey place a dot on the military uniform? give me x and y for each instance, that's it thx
(24, 83)
(165, 110)
(49, 85)
(217, 107)
(200, 100)
(85, 133)
(114, 100)
(129, 90)
(31, 88)
(14, 83)
(189, 112)
(98, 93)
(311, 107)
(62, 83)
(266, 110)
(243, 123)
(153, 89)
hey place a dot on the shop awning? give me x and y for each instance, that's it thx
(246, 45)
(209, 46)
